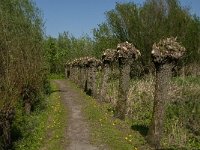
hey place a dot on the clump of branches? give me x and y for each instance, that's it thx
(21, 60)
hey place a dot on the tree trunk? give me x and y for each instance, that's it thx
(76, 75)
(89, 82)
(82, 80)
(72, 74)
(104, 84)
(27, 107)
(163, 76)
(67, 72)
(86, 79)
(94, 81)
(124, 79)
(7, 135)
(6, 117)
(79, 76)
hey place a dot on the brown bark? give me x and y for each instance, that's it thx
(76, 74)
(79, 76)
(86, 79)
(163, 76)
(104, 84)
(6, 119)
(124, 78)
(72, 73)
(89, 83)
(7, 134)
(82, 80)
(67, 71)
(93, 71)
(27, 107)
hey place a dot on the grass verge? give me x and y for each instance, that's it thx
(56, 76)
(44, 128)
(114, 133)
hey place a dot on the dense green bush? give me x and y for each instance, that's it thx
(21, 60)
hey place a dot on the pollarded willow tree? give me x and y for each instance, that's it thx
(165, 54)
(126, 55)
(93, 65)
(109, 56)
(83, 71)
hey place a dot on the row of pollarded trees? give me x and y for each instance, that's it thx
(165, 54)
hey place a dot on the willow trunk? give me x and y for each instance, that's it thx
(163, 76)
(124, 79)
(104, 84)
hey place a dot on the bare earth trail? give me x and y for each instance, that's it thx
(77, 132)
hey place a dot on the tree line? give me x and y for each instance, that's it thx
(139, 24)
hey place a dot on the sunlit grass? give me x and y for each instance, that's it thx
(43, 129)
(106, 130)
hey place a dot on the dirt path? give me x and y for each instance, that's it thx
(77, 132)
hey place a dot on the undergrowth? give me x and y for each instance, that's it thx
(43, 128)
(182, 130)
(116, 134)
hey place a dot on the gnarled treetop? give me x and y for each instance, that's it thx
(109, 55)
(166, 49)
(84, 61)
(124, 50)
(127, 50)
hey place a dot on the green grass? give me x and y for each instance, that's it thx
(56, 76)
(188, 80)
(44, 128)
(114, 133)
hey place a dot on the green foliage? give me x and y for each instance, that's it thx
(21, 55)
(44, 128)
(104, 39)
(21, 46)
(181, 130)
(143, 25)
(116, 134)
(182, 124)
(65, 48)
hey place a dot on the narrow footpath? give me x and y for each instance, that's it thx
(77, 131)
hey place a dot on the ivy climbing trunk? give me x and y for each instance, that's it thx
(124, 79)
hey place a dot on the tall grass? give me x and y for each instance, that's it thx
(182, 121)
